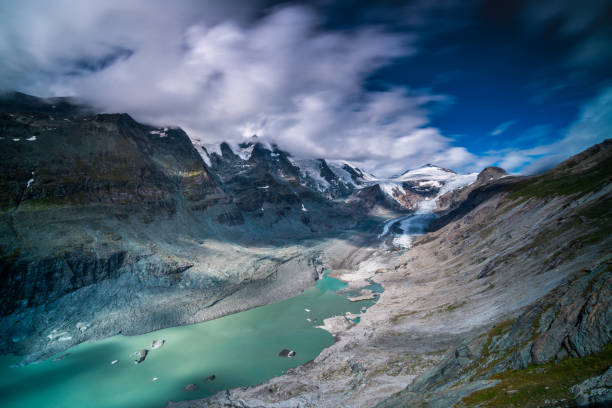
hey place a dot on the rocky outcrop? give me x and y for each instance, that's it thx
(596, 391)
(489, 174)
(69, 171)
(265, 183)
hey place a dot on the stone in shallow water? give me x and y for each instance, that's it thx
(63, 356)
(191, 387)
(142, 354)
(210, 378)
(286, 353)
(157, 344)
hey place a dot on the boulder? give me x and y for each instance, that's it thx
(142, 354)
(191, 387)
(286, 353)
(157, 344)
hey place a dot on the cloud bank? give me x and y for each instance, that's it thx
(224, 77)
(227, 70)
(593, 125)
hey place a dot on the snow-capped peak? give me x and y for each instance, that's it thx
(428, 171)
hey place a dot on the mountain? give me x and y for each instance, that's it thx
(331, 180)
(506, 302)
(496, 287)
(124, 227)
(99, 204)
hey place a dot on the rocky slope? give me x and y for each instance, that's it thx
(506, 303)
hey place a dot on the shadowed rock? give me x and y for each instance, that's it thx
(191, 387)
(286, 353)
(142, 354)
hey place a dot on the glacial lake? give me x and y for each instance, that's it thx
(240, 350)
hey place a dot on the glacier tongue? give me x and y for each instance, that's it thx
(417, 223)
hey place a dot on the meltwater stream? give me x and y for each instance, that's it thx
(239, 350)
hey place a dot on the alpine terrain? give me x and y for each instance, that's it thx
(442, 289)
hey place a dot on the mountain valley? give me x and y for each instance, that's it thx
(109, 226)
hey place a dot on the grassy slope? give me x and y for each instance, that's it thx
(538, 386)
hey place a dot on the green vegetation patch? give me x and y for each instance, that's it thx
(548, 184)
(534, 385)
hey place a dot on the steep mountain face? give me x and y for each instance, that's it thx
(505, 303)
(329, 179)
(65, 172)
(332, 180)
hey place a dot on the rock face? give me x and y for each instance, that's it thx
(575, 319)
(62, 166)
(452, 199)
(267, 183)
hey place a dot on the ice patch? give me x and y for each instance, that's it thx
(56, 335)
(212, 148)
(311, 170)
(202, 150)
(430, 183)
(392, 190)
(243, 152)
(205, 157)
(159, 132)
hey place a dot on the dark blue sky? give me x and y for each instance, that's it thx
(501, 67)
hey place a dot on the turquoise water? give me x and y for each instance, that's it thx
(240, 350)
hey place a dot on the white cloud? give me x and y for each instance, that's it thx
(223, 75)
(502, 127)
(593, 125)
